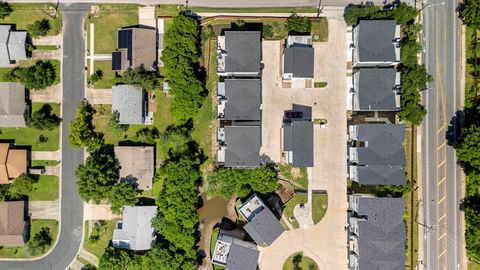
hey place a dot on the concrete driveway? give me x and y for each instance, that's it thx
(325, 242)
(98, 212)
(44, 209)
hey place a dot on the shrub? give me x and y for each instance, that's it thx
(44, 119)
(38, 76)
(39, 28)
(297, 24)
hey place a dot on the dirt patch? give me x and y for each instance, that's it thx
(296, 173)
(286, 193)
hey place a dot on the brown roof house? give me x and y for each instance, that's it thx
(136, 165)
(13, 227)
(13, 106)
(137, 47)
(13, 163)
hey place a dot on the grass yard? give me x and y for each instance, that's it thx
(25, 14)
(299, 262)
(473, 265)
(30, 136)
(297, 176)
(111, 17)
(319, 206)
(108, 79)
(290, 205)
(3, 74)
(320, 29)
(105, 232)
(46, 189)
(46, 47)
(35, 227)
(411, 252)
(320, 84)
(213, 240)
(43, 163)
(171, 10)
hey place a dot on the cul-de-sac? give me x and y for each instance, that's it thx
(240, 135)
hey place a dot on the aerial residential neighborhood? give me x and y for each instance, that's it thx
(239, 135)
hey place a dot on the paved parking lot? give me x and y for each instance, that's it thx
(326, 241)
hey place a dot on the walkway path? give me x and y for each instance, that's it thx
(46, 155)
(99, 96)
(44, 209)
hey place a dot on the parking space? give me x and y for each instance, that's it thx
(329, 172)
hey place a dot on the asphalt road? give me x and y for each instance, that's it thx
(71, 203)
(442, 233)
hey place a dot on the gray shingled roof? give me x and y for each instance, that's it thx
(136, 227)
(129, 101)
(243, 146)
(299, 61)
(4, 34)
(12, 45)
(298, 138)
(376, 89)
(264, 227)
(243, 99)
(381, 244)
(244, 51)
(242, 258)
(382, 160)
(12, 104)
(375, 40)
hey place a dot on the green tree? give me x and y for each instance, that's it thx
(241, 182)
(404, 14)
(148, 80)
(97, 176)
(122, 194)
(469, 13)
(147, 135)
(38, 76)
(39, 28)
(162, 258)
(95, 76)
(82, 131)
(353, 14)
(115, 259)
(267, 31)
(114, 126)
(207, 32)
(40, 241)
(468, 152)
(44, 119)
(5, 10)
(20, 186)
(298, 24)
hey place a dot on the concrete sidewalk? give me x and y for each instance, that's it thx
(44, 209)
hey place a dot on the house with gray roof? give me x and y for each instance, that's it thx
(239, 146)
(263, 227)
(375, 89)
(13, 45)
(239, 53)
(297, 138)
(239, 99)
(130, 102)
(376, 154)
(135, 231)
(376, 43)
(298, 58)
(377, 233)
(136, 47)
(234, 254)
(13, 106)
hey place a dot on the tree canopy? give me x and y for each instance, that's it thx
(298, 24)
(40, 241)
(469, 13)
(82, 131)
(148, 80)
(44, 119)
(39, 28)
(5, 10)
(180, 58)
(21, 186)
(229, 182)
(122, 194)
(38, 76)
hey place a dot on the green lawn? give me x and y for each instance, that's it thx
(297, 176)
(170, 10)
(304, 263)
(46, 47)
(111, 17)
(30, 136)
(320, 84)
(100, 122)
(288, 209)
(43, 163)
(3, 74)
(35, 227)
(409, 214)
(473, 266)
(320, 29)
(108, 79)
(213, 240)
(106, 234)
(46, 189)
(25, 14)
(319, 206)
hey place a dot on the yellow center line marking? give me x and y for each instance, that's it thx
(441, 181)
(443, 253)
(441, 146)
(441, 128)
(441, 163)
(442, 217)
(441, 236)
(441, 200)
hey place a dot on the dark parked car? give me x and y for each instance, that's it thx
(292, 114)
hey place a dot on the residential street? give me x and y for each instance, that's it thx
(71, 209)
(441, 184)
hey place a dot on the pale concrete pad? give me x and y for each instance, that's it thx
(51, 94)
(146, 16)
(325, 242)
(53, 170)
(88, 256)
(46, 155)
(52, 54)
(48, 40)
(98, 212)
(99, 96)
(44, 209)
